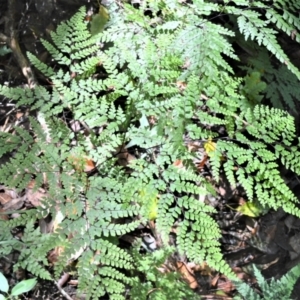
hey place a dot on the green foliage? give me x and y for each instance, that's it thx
(170, 67)
(275, 289)
(157, 282)
(99, 20)
(281, 89)
(4, 50)
(22, 287)
(253, 87)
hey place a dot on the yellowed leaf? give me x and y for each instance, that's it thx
(210, 146)
(251, 209)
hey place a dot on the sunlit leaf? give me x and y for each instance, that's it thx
(99, 20)
(3, 283)
(23, 287)
(251, 209)
(210, 146)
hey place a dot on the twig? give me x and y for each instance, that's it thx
(62, 291)
(63, 279)
(13, 43)
(23, 62)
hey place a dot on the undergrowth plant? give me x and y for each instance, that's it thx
(275, 289)
(22, 287)
(157, 79)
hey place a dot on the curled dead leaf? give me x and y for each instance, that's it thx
(187, 275)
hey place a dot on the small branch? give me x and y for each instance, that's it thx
(62, 291)
(63, 279)
(13, 43)
(23, 62)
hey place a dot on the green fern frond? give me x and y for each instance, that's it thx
(157, 83)
(281, 288)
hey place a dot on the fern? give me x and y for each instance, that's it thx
(158, 82)
(156, 284)
(281, 85)
(278, 289)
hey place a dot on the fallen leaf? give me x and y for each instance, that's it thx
(178, 164)
(35, 196)
(82, 164)
(14, 204)
(224, 285)
(187, 275)
(4, 198)
(181, 85)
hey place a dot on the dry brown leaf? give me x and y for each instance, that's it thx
(225, 285)
(14, 204)
(35, 197)
(54, 254)
(201, 164)
(82, 164)
(181, 85)
(187, 275)
(11, 192)
(178, 164)
(214, 281)
(4, 198)
(31, 184)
